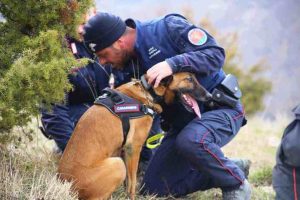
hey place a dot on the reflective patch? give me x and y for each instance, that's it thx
(92, 46)
(124, 108)
(197, 37)
(73, 47)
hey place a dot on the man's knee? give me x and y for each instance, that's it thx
(190, 142)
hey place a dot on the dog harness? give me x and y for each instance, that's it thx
(124, 107)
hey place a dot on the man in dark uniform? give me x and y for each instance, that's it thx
(286, 172)
(87, 83)
(190, 156)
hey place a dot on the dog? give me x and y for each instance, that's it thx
(92, 158)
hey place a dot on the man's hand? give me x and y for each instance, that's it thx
(158, 72)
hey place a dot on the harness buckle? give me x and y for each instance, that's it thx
(147, 111)
(117, 99)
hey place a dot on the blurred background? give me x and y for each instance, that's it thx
(267, 30)
(262, 46)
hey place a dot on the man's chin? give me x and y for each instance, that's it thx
(117, 66)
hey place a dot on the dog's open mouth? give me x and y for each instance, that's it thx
(190, 104)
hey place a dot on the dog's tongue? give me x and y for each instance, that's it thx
(193, 103)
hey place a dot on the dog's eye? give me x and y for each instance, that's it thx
(190, 79)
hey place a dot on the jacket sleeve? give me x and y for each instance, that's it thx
(197, 50)
(290, 144)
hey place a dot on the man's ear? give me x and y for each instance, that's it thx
(117, 44)
(121, 43)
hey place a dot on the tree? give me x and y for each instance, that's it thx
(34, 57)
(253, 85)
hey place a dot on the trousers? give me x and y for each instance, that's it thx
(191, 159)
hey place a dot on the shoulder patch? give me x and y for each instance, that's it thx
(197, 37)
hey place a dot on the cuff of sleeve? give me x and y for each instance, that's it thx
(175, 68)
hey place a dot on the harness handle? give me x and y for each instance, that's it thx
(154, 141)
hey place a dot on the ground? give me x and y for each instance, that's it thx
(28, 165)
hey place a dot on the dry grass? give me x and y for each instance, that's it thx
(258, 141)
(28, 170)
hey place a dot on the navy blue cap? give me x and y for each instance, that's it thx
(102, 30)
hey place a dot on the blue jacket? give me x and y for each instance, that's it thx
(171, 38)
(286, 172)
(185, 47)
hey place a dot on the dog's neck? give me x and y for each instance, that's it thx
(134, 89)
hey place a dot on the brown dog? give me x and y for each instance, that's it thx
(92, 156)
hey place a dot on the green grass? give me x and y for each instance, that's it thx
(261, 177)
(28, 166)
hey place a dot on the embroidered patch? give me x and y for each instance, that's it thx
(197, 37)
(125, 108)
(153, 52)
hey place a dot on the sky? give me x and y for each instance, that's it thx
(267, 29)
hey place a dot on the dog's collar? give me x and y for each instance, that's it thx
(156, 98)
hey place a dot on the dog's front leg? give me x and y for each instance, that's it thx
(132, 156)
(139, 129)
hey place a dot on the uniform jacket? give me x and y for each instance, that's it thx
(286, 173)
(185, 47)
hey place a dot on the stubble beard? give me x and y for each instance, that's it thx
(123, 61)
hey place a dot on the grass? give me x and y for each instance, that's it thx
(262, 177)
(28, 170)
(28, 166)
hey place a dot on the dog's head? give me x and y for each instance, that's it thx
(181, 86)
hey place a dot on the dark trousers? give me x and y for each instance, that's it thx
(60, 122)
(192, 160)
(286, 182)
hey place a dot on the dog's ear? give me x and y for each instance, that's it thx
(167, 80)
(160, 90)
(162, 87)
